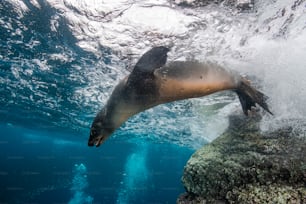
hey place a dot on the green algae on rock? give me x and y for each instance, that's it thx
(244, 163)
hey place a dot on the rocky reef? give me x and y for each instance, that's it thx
(244, 165)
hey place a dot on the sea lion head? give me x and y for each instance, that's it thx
(137, 83)
(100, 130)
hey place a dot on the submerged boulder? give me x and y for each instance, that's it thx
(245, 165)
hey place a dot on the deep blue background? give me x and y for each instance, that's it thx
(37, 167)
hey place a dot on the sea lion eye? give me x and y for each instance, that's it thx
(93, 132)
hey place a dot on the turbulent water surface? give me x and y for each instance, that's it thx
(60, 60)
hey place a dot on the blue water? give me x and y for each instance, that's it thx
(44, 125)
(41, 167)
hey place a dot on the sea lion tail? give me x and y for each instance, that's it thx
(249, 96)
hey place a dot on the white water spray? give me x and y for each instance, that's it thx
(282, 67)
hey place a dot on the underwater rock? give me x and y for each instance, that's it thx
(245, 165)
(274, 193)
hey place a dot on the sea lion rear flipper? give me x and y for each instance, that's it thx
(249, 96)
(144, 68)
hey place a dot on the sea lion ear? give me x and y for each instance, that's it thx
(152, 59)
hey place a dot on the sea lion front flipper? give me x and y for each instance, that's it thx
(144, 68)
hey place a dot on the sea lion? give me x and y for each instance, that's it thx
(152, 82)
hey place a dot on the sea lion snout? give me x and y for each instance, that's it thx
(98, 134)
(92, 137)
(96, 141)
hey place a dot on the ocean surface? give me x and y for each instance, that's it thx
(60, 60)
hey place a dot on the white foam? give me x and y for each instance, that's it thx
(19, 7)
(35, 3)
(120, 24)
(159, 20)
